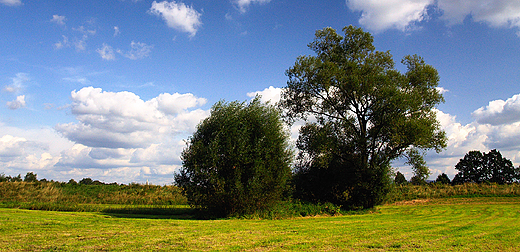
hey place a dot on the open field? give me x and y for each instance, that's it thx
(453, 224)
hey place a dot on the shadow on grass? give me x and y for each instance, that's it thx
(178, 213)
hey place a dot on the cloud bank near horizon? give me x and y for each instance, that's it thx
(118, 137)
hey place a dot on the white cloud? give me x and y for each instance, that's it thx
(18, 103)
(123, 120)
(270, 94)
(178, 16)
(499, 112)
(63, 43)
(77, 79)
(106, 52)
(397, 14)
(17, 83)
(11, 2)
(138, 51)
(242, 5)
(494, 12)
(58, 19)
(442, 90)
(116, 31)
(403, 14)
(11, 146)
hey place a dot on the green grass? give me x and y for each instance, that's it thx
(454, 224)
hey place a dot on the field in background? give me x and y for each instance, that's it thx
(453, 224)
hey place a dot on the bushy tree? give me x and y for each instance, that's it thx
(491, 167)
(366, 115)
(30, 177)
(399, 179)
(238, 160)
(86, 181)
(443, 179)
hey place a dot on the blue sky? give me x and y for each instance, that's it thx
(111, 89)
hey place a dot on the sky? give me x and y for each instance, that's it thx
(111, 90)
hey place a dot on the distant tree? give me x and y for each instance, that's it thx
(72, 182)
(238, 160)
(400, 179)
(4, 178)
(17, 178)
(443, 179)
(86, 181)
(367, 114)
(491, 167)
(419, 168)
(30, 177)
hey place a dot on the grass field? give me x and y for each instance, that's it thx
(452, 224)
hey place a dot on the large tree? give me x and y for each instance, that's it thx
(238, 160)
(480, 167)
(366, 114)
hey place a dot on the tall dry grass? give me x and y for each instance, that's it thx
(435, 190)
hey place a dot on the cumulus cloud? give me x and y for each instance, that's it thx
(270, 94)
(18, 103)
(137, 51)
(58, 19)
(403, 14)
(124, 120)
(496, 126)
(494, 12)
(499, 112)
(11, 146)
(398, 14)
(11, 2)
(178, 16)
(106, 52)
(242, 5)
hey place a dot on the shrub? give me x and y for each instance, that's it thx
(238, 161)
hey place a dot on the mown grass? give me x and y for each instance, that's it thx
(454, 224)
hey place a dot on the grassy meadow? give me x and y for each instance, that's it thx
(471, 217)
(453, 224)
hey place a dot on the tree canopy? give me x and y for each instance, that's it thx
(364, 114)
(238, 160)
(491, 167)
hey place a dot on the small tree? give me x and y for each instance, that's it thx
(30, 177)
(480, 167)
(443, 179)
(400, 179)
(419, 168)
(238, 160)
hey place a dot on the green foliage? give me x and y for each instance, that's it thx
(30, 177)
(367, 114)
(238, 160)
(400, 179)
(481, 167)
(419, 168)
(443, 179)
